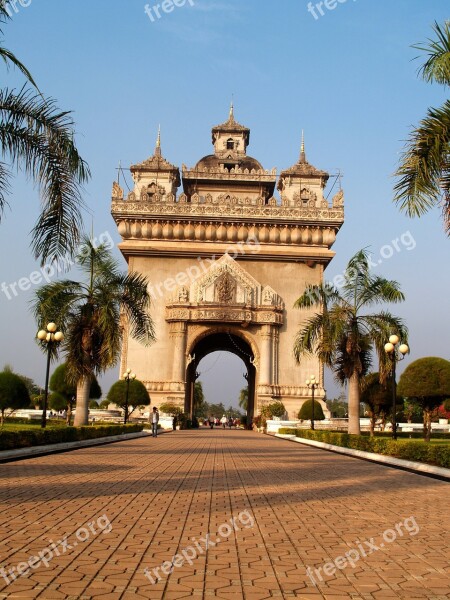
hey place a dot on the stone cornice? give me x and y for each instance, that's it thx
(122, 209)
(306, 254)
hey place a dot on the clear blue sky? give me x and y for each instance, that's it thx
(347, 78)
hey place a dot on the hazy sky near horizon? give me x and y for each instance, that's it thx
(346, 77)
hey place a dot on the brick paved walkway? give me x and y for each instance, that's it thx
(294, 507)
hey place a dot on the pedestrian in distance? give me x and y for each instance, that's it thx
(155, 421)
(230, 422)
(223, 420)
(211, 422)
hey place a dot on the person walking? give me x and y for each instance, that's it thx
(155, 420)
(223, 420)
(211, 422)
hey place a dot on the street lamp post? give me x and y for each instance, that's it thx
(391, 349)
(128, 376)
(312, 384)
(51, 337)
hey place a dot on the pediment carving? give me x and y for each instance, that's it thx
(226, 282)
(226, 292)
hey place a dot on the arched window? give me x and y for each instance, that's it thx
(230, 144)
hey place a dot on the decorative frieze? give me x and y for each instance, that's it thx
(232, 314)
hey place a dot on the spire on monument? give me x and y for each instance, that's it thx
(158, 142)
(302, 149)
(231, 115)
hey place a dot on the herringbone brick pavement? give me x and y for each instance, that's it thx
(245, 516)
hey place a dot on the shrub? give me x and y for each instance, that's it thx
(39, 437)
(305, 413)
(276, 409)
(409, 450)
(286, 430)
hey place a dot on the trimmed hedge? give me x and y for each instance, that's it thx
(437, 435)
(409, 450)
(10, 440)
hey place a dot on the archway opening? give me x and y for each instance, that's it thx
(222, 342)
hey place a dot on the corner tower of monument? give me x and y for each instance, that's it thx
(226, 260)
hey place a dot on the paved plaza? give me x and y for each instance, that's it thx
(245, 515)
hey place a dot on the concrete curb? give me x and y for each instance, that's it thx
(34, 451)
(388, 461)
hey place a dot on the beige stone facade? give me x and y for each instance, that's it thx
(226, 260)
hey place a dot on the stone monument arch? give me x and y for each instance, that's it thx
(226, 260)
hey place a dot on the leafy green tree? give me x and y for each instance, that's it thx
(411, 413)
(104, 404)
(215, 410)
(91, 316)
(243, 399)
(137, 395)
(305, 413)
(58, 402)
(377, 397)
(424, 170)
(342, 334)
(426, 381)
(199, 400)
(338, 408)
(93, 404)
(37, 138)
(33, 389)
(13, 393)
(170, 408)
(64, 389)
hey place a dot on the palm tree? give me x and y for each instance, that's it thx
(37, 138)
(424, 171)
(243, 399)
(342, 336)
(93, 315)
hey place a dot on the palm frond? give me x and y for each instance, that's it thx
(38, 138)
(316, 295)
(423, 173)
(437, 66)
(9, 57)
(378, 290)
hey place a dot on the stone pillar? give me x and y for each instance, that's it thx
(266, 355)
(178, 331)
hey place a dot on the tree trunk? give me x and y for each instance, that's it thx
(427, 425)
(82, 407)
(2, 417)
(373, 420)
(353, 405)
